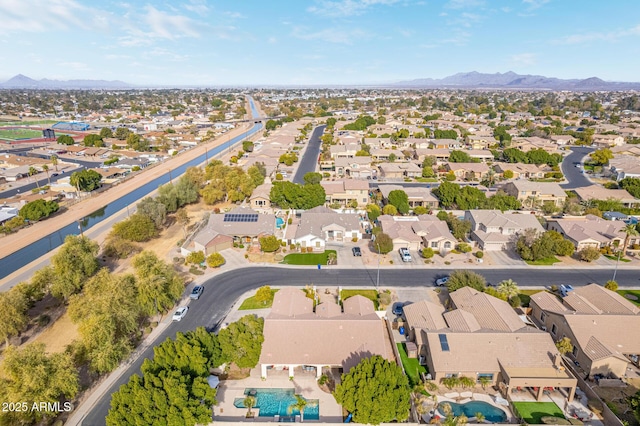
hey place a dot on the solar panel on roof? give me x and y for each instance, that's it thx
(237, 217)
(444, 344)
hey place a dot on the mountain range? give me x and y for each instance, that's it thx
(468, 80)
(511, 80)
(23, 82)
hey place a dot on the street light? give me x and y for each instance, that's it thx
(615, 270)
(378, 276)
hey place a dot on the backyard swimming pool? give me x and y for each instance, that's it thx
(491, 414)
(277, 401)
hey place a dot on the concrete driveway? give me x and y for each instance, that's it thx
(505, 257)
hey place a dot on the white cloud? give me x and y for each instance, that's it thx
(523, 59)
(464, 4)
(169, 26)
(611, 36)
(197, 6)
(272, 40)
(331, 35)
(343, 8)
(535, 4)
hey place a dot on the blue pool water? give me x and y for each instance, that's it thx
(277, 401)
(279, 222)
(491, 414)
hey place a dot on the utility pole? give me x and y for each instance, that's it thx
(378, 275)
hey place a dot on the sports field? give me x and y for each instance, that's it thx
(12, 134)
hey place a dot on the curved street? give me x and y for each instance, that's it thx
(222, 291)
(574, 176)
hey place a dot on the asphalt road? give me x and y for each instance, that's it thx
(222, 291)
(309, 159)
(575, 177)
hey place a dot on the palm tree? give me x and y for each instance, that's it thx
(54, 161)
(629, 231)
(33, 171)
(46, 170)
(299, 405)
(480, 418)
(509, 288)
(249, 402)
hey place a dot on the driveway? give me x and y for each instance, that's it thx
(505, 257)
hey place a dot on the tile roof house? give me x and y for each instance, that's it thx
(261, 196)
(297, 336)
(590, 231)
(400, 170)
(528, 171)
(597, 192)
(471, 340)
(320, 225)
(603, 326)
(242, 225)
(607, 141)
(346, 191)
(494, 230)
(469, 171)
(416, 232)
(625, 166)
(418, 195)
(532, 193)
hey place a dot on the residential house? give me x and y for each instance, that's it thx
(477, 142)
(320, 226)
(607, 141)
(597, 192)
(400, 170)
(446, 144)
(590, 231)
(562, 140)
(240, 225)
(534, 193)
(344, 151)
(438, 154)
(483, 155)
(533, 142)
(378, 143)
(494, 230)
(346, 192)
(356, 167)
(603, 327)
(468, 171)
(378, 154)
(261, 197)
(416, 232)
(7, 213)
(297, 336)
(470, 340)
(520, 170)
(623, 166)
(418, 195)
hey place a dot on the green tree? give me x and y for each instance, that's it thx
(470, 198)
(383, 243)
(85, 180)
(215, 260)
(611, 285)
(509, 288)
(65, 140)
(503, 202)
(195, 257)
(32, 172)
(465, 278)
(241, 341)
(589, 254)
(507, 174)
(13, 313)
(632, 185)
(33, 376)
(93, 140)
(299, 405)
(427, 172)
(72, 265)
(137, 227)
(375, 391)
(158, 285)
(457, 156)
(390, 210)
(427, 252)
(420, 210)
(290, 195)
(153, 209)
(514, 155)
(601, 156)
(373, 212)
(629, 231)
(38, 209)
(249, 402)
(564, 247)
(312, 178)
(45, 168)
(447, 193)
(247, 146)
(106, 132)
(122, 133)
(269, 244)
(54, 162)
(264, 294)
(564, 345)
(400, 200)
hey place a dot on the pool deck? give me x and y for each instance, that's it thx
(229, 390)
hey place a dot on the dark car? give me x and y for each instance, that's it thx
(196, 292)
(398, 308)
(356, 251)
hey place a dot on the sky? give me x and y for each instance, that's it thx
(316, 42)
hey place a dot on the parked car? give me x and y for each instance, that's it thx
(440, 282)
(565, 289)
(356, 251)
(196, 292)
(398, 308)
(180, 313)
(405, 255)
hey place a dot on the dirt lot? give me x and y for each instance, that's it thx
(616, 399)
(60, 334)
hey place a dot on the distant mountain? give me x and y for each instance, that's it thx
(23, 82)
(511, 80)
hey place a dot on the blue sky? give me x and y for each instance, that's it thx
(225, 42)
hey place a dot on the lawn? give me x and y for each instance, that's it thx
(615, 258)
(252, 303)
(369, 294)
(307, 258)
(544, 262)
(635, 293)
(533, 412)
(13, 134)
(411, 366)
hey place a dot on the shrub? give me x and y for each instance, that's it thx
(195, 257)
(464, 278)
(427, 252)
(215, 260)
(611, 285)
(515, 301)
(136, 228)
(383, 243)
(120, 248)
(464, 248)
(269, 244)
(278, 176)
(589, 254)
(446, 262)
(323, 379)
(479, 254)
(354, 240)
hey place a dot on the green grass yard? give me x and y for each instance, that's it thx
(411, 366)
(615, 258)
(544, 262)
(635, 293)
(14, 134)
(369, 294)
(533, 412)
(307, 258)
(252, 303)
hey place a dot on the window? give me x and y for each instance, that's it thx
(574, 352)
(554, 329)
(543, 316)
(447, 245)
(487, 375)
(444, 344)
(434, 244)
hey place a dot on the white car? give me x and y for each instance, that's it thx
(180, 313)
(442, 281)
